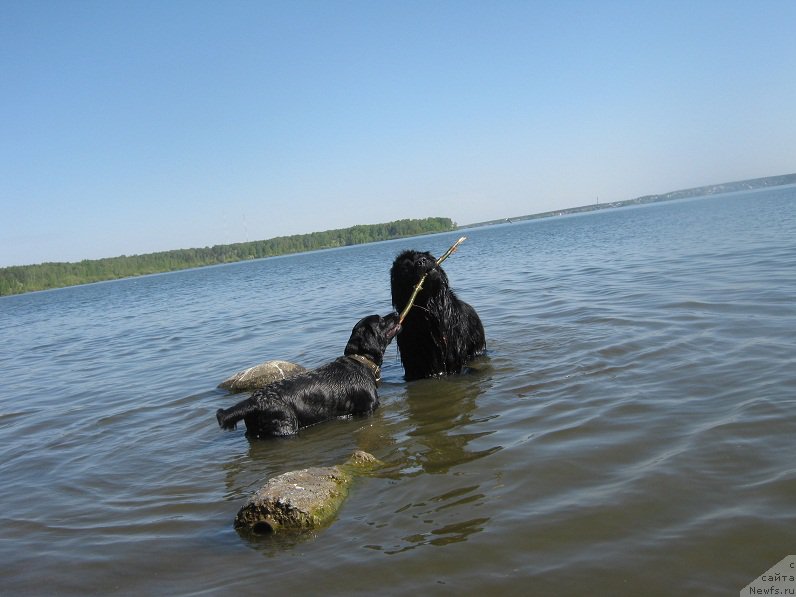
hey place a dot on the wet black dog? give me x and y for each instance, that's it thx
(440, 333)
(346, 386)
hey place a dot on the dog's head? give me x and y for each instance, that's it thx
(371, 336)
(406, 271)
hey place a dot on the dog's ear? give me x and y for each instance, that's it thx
(362, 334)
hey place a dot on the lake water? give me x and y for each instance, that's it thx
(631, 431)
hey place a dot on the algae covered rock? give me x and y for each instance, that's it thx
(260, 375)
(301, 500)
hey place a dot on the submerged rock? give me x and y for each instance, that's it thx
(260, 375)
(301, 500)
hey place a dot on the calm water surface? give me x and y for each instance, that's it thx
(631, 431)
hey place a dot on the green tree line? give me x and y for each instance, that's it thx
(27, 278)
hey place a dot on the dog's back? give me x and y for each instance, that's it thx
(335, 389)
(345, 386)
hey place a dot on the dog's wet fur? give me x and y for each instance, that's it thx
(441, 333)
(346, 386)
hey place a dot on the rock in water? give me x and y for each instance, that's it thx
(260, 375)
(301, 500)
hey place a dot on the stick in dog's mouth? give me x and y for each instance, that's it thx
(419, 285)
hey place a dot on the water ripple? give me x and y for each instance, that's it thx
(630, 430)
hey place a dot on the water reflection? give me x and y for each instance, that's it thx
(439, 411)
(275, 544)
(444, 535)
(433, 436)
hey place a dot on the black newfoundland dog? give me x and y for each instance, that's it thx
(440, 333)
(346, 386)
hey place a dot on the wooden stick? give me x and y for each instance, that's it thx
(419, 285)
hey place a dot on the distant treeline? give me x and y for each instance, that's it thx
(27, 278)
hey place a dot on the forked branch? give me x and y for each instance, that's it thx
(419, 285)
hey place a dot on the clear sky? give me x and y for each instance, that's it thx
(135, 126)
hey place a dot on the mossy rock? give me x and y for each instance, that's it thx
(301, 500)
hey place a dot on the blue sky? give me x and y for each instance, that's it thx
(132, 127)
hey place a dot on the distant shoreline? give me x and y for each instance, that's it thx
(704, 191)
(21, 279)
